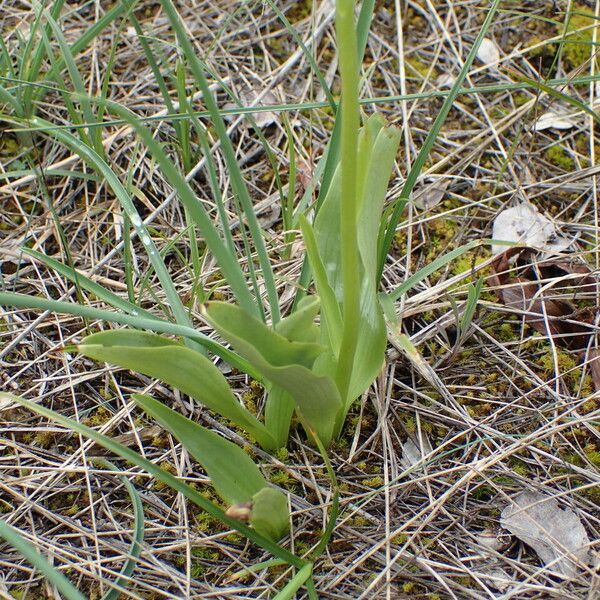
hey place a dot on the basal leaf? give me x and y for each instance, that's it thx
(270, 514)
(233, 474)
(173, 482)
(176, 365)
(279, 408)
(251, 336)
(284, 363)
(299, 326)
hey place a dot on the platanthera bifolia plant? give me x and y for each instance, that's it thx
(314, 362)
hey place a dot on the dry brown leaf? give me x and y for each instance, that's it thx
(552, 120)
(250, 98)
(557, 535)
(543, 286)
(431, 194)
(524, 224)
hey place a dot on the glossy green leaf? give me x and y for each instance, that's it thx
(377, 150)
(299, 326)
(173, 482)
(283, 362)
(253, 336)
(279, 408)
(176, 365)
(270, 514)
(331, 316)
(233, 474)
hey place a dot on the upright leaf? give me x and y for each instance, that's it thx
(377, 150)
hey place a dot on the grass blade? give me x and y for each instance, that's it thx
(156, 325)
(97, 162)
(87, 284)
(30, 553)
(419, 163)
(237, 181)
(138, 535)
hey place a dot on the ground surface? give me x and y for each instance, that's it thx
(510, 411)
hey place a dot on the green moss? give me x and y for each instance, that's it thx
(299, 11)
(373, 482)
(468, 261)
(359, 521)
(160, 485)
(558, 155)
(567, 363)
(282, 455)
(399, 539)
(283, 479)
(205, 553)
(98, 417)
(9, 145)
(414, 66)
(410, 587)
(578, 31)
(540, 49)
(45, 439)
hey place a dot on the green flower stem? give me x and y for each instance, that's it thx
(349, 69)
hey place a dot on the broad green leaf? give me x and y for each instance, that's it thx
(233, 474)
(270, 514)
(374, 189)
(173, 482)
(176, 365)
(331, 316)
(284, 363)
(299, 326)
(377, 150)
(154, 324)
(252, 335)
(279, 409)
(371, 345)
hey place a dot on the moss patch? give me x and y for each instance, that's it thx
(578, 32)
(558, 156)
